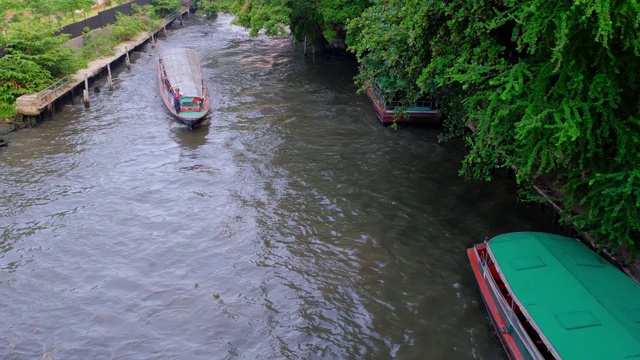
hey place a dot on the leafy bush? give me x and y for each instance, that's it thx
(98, 43)
(19, 76)
(550, 87)
(208, 8)
(35, 57)
(166, 7)
(35, 41)
(125, 28)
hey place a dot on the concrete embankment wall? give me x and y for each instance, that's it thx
(32, 108)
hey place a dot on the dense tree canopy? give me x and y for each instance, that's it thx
(315, 20)
(166, 7)
(551, 88)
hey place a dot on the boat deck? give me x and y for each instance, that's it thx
(191, 108)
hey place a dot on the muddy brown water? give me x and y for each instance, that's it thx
(290, 226)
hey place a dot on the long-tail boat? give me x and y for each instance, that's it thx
(180, 71)
(552, 297)
(393, 111)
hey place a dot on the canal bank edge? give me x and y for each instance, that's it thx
(30, 108)
(6, 126)
(620, 257)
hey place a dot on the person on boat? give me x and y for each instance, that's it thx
(176, 100)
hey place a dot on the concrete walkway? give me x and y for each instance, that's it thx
(35, 104)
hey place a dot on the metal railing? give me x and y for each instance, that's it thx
(511, 317)
(175, 14)
(172, 15)
(51, 91)
(430, 104)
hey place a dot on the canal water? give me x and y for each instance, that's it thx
(292, 225)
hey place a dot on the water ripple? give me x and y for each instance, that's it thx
(291, 225)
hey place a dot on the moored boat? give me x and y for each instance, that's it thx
(551, 297)
(180, 71)
(392, 111)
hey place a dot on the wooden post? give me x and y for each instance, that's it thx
(126, 51)
(109, 77)
(164, 30)
(305, 46)
(85, 93)
(181, 23)
(153, 42)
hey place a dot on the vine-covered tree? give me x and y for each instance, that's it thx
(208, 8)
(317, 21)
(550, 87)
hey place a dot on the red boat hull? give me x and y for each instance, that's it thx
(165, 93)
(389, 116)
(499, 323)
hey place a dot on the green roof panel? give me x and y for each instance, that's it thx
(584, 306)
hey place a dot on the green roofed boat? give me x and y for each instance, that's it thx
(551, 297)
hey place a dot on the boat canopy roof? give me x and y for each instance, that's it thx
(584, 307)
(183, 71)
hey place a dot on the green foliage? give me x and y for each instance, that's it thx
(19, 76)
(334, 14)
(392, 48)
(70, 6)
(550, 87)
(35, 57)
(125, 28)
(166, 7)
(317, 21)
(612, 202)
(98, 43)
(101, 42)
(270, 15)
(33, 40)
(209, 8)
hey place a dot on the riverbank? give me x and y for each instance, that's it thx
(32, 108)
(6, 127)
(621, 256)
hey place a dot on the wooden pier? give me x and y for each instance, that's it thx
(34, 105)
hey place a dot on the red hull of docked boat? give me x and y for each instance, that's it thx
(499, 323)
(389, 116)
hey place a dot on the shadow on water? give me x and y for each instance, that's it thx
(190, 138)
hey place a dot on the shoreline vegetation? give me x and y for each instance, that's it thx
(35, 56)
